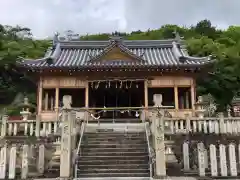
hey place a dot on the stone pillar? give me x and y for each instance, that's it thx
(25, 152)
(12, 162)
(186, 156)
(176, 97)
(188, 123)
(232, 159)
(223, 160)
(3, 161)
(65, 158)
(4, 126)
(159, 145)
(158, 120)
(221, 123)
(41, 158)
(37, 130)
(213, 160)
(201, 159)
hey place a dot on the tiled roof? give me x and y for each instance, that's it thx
(148, 53)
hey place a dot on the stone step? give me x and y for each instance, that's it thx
(113, 133)
(113, 175)
(115, 166)
(116, 178)
(119, 149)
(113, 153)
(119, 141)
(114, 137)
(113, 171)
(87, 158)
(112, 145)
(132, 120)
(113, 161)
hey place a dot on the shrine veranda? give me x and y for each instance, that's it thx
(146, 86)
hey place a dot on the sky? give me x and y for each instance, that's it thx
(45, 17)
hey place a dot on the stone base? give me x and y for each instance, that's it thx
(174, 178)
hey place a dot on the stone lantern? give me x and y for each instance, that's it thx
(199, 105)
(25, 109)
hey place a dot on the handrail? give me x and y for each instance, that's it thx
(148, 144)
(83, 126)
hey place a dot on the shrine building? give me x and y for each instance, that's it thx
(116, 73)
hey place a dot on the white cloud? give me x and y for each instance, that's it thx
(45, 17)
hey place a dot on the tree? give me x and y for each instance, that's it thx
(202, 39)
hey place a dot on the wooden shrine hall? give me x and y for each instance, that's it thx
(116, 73)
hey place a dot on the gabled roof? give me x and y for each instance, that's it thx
(85, 54)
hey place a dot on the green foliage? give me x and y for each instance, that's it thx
(203, 39)
(16, 42)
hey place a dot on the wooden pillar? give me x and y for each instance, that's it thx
(146, 93)
(193, 96)
(40, 96)
(86, 95)
(46, 101)
(187, 100)
(176, 97)
(56, 101)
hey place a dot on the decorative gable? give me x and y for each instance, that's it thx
(116, 51)
(116, 54)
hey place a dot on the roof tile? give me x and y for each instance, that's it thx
(153, 53)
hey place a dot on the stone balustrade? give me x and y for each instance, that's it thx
(15, 158)
(214, 160)
(206, 125)
(36, 127)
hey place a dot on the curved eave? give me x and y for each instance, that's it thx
(30, 62)
(143, 66)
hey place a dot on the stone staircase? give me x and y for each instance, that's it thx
(117, 120)
(116, 154)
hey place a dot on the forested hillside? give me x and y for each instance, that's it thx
(202, 39)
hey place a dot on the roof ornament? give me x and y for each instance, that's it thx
(71, 35)
(116, 37)
(178, 38)
(55, 38)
